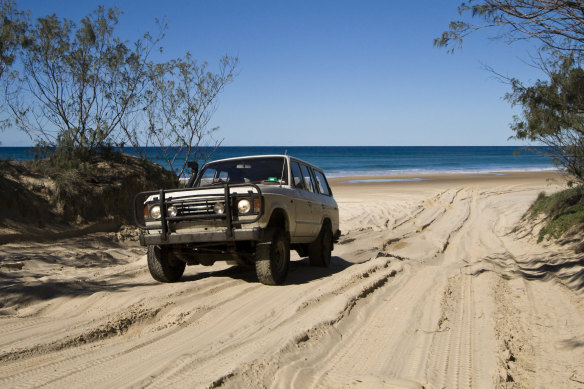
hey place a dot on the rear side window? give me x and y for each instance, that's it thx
(321, 183)
(307, 178)
(297, 175)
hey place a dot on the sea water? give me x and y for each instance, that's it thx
(338, 161)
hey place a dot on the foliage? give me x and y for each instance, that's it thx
(564, 210)
(553, 114)
(66, 186)
(555, 24)
(80, 90)
(179, 104)
(552, 110)
(39, 197)
(82, 80)
(13, 25)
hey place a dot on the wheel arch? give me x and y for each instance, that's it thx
(279, 218)
(326, 222)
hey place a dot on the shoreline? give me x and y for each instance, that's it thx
(415, 185)
(462, 178)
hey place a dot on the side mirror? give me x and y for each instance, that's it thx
(194, 166)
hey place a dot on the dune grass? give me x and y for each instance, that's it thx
(563, 211)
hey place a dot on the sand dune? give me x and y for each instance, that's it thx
(434, 284)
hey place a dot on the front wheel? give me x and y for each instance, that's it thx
(273, 258)
(319, 252)
(163, 265)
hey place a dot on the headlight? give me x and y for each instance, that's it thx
(155, 212)
(243, 206)
(218, 208)
(172, 211)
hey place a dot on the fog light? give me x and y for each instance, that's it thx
(218, 208)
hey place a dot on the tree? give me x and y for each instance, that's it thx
(553, 114)
(13, 26)
(179, 103)
(78, 83)
(552, 110)
(558, 25)
(81, 89)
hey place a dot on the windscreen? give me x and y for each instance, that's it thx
(269, 170)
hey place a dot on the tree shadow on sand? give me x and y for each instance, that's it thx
(18, 293)
(567, 270)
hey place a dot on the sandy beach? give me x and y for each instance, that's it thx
(436, 282)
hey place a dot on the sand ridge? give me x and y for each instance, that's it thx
(435, 283)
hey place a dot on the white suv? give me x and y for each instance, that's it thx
(248, 211)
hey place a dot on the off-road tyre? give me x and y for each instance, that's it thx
(163, 265)
(319, 251)
(273, 258)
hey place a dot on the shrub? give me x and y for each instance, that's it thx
(563, 211)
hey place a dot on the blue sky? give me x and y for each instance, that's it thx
(332, 72)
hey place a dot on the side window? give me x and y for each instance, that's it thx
(208, 177)
(307, 178)
(321, 182)
(297, 175)
(222, 177)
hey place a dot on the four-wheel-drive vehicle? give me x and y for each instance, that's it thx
(249, 211)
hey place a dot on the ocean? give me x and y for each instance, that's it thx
(339, 161)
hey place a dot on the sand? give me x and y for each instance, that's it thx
(435, 283)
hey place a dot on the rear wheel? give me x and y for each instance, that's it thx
(319, 252)
(273, 258)
(163, 265)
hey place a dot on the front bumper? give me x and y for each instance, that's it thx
(244, 234)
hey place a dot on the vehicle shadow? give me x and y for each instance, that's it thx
(300, 272)
(235, 272)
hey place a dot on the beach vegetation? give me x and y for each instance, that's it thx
(563, 213)
(553, 108)
(13, 26)
(79, 89)
(178, 103)
(77, 82)
(41, 198)
(553, 114)
(552, 24)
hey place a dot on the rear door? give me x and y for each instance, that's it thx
(327, 206)
(313, 200)
(304, 219)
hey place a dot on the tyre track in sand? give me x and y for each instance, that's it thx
(431, 327)
(227, 299)
(391, 332)
(410, 300)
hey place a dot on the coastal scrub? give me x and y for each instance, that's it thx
(563, 212)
